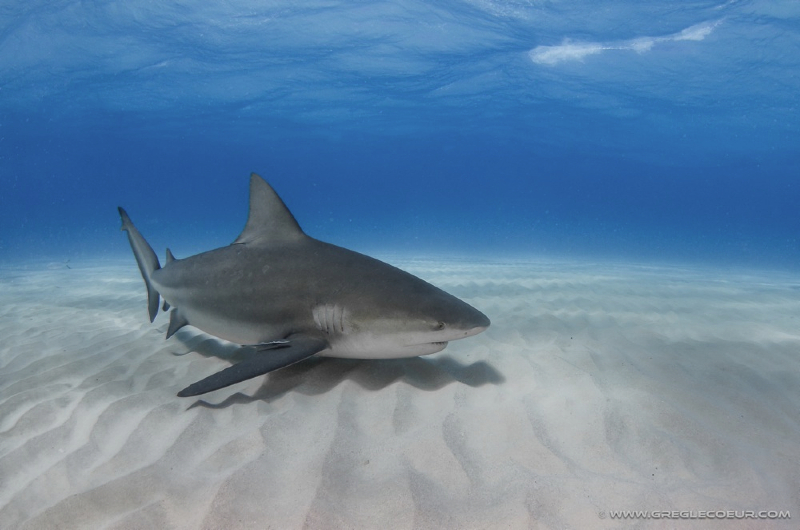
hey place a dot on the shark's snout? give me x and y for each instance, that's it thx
(476, 323)
(475, 330)
(482, 323)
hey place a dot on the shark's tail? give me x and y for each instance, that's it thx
(145, 258)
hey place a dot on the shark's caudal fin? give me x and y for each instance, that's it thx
(145, 258)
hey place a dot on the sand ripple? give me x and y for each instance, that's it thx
(597, 388)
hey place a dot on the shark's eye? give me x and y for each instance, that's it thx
(439, 325)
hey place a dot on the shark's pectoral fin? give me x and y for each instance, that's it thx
(279, 355)
(261, 346)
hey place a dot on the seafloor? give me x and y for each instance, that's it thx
(597, 388)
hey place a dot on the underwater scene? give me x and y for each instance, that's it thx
(462, 264)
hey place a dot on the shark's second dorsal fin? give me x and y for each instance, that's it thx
(270, 221)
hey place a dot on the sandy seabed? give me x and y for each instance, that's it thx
(597, 388)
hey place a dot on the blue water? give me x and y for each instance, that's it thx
(634, 130)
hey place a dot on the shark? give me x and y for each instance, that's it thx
(290, 296)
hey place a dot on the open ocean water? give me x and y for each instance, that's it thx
(648, 131)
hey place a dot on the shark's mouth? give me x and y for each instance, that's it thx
(438, 346)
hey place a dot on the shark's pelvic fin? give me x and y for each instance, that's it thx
(176, 322)
(297, 348)
(269, 221)
(145, 258)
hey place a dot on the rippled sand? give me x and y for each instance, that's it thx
(597, 388)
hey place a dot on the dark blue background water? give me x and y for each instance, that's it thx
(644, 130)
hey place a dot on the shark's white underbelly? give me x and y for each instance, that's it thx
(330, 321)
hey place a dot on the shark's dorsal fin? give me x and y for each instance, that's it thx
(270, 221)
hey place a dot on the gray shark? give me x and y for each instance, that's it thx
(291, 296)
